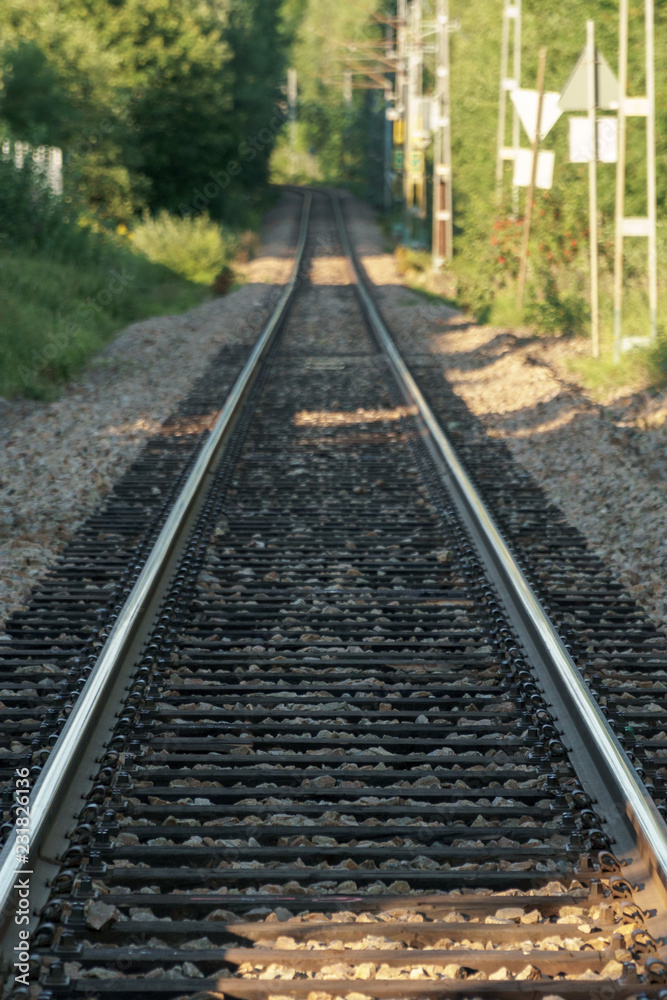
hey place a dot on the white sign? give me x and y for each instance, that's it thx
(581, 145)
(525, 101)
(523, 165)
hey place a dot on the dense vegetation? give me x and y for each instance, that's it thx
(342, 145)
(148, 99)
(166, 114)
(171, 118)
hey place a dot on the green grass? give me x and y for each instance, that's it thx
(55, 314)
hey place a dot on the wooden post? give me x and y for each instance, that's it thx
(650, 173)
(620, 176)
(591, 59)
(541, 71)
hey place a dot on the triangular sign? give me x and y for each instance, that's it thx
(525, 101)
(575, 92)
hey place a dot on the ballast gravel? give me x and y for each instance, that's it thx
(603, 463)
(60, 459)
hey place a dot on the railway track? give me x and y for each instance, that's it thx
(330, 744)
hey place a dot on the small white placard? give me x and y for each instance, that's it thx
(523, 165)
(581, 147)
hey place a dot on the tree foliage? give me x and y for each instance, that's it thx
(146, 99)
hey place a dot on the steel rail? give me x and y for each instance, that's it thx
(649, 827)
(54, 776)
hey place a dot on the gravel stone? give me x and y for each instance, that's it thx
(61, 458)
(602, 462)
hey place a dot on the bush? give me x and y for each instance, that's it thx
(33, 219)
(555, 311)
(193, 247)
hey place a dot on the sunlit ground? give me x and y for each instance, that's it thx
(333, 418)
(329, 271)
(180, 427)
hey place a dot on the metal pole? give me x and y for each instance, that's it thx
(409, 107)
(418, 117)
(291, 102)
(516, 125)
(541, 70)
(502, 101)
(442, 241)
(620, 176)
(388, 128)
(591, 59)
(401, 102)
(650, 174)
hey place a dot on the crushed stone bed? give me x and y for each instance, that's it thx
(605, 466)
(60, 459)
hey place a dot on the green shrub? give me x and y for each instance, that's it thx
(411, 259)
(194, 247)
(33, 219)
(555, 311)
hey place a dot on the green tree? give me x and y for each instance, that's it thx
(35, 103)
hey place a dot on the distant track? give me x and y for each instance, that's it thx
(332, 701)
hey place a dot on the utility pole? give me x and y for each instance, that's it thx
(442, 242)
(291, 103)
(511, 17)
(523, 266)
(591, 60)
(400, 134)
(415, 188)
(409, 110)
(639, 107)
(388, 127)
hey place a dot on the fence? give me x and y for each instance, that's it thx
(48, 161)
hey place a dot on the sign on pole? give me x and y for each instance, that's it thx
(592, 87)
(537, 129)
(575, 95)
(583, 148)
(416, 162)
(523, 166)
(526, 101)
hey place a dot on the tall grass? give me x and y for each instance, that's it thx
(65, 290)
